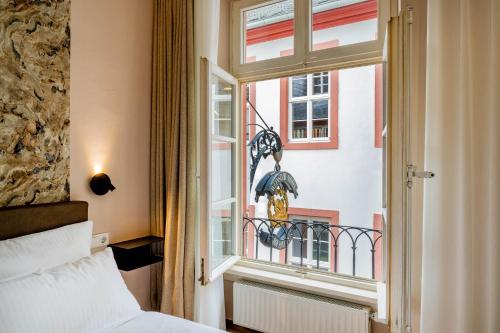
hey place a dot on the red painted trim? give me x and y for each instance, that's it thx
(379, 105)
(221, 146)
(333, 142)
(328, 19)
(269, 32)
(332, 215)
(378, 222)
(248, 210)
(345, 15)
(251, 235)
(253, 100)
(282, 257)
(252, 120)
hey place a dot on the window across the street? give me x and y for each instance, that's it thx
(309, 107)
(309, 243)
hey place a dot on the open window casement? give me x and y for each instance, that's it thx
(299, 26)
(219, 165)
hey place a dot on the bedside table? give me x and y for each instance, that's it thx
(136, 253)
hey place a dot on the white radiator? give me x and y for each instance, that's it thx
(271, 309)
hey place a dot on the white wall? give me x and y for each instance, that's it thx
(347, 179)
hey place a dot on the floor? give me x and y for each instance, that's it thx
(230, 327)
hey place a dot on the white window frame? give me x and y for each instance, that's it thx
(210, 272)
(352, 288)
(309, 261)
(309, 98)
(303, 58)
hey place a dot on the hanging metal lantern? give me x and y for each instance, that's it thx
(275, 185)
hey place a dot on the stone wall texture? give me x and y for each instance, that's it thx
(34, 101)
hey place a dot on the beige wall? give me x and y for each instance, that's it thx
(110, 115)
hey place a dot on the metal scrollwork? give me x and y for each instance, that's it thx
(275, 184)
(266, 142)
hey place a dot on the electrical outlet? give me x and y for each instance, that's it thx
(100, 240)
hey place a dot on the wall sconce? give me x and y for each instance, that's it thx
(101, 184)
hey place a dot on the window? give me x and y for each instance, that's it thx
(264, 24)
(307, 242)
(304, 75)
(222, 190)
(219, 208)
(309, 111)
(332, 18)
(330, 177)
(309, 107)
(357, 25)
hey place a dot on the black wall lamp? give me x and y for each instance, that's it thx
(101, 184)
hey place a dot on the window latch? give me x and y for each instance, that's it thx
(411, 172)
(202, 277)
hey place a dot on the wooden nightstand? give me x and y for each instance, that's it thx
(139, 252)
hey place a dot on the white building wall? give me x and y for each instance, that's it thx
(347, 179)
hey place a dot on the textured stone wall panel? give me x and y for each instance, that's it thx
(34, 101)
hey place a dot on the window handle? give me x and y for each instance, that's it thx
(411, 172)
(424, 174)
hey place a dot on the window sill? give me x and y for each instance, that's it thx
(313, 145)
(360, 292)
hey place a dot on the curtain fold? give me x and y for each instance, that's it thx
(461, 251)
(173, 164)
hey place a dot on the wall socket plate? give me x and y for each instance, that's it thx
(100, 240)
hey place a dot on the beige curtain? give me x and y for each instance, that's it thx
(173, 179)
(461, 242)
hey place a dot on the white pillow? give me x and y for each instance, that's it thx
(88, 295)
(27, 254)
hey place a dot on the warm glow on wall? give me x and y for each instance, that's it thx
(97, 168)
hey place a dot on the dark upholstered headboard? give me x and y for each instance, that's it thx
(22, 220)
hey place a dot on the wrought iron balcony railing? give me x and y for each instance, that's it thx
(283, 236)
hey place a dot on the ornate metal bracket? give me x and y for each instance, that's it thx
(266, 142)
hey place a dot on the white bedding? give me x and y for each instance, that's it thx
(85, 296)
(27, 254)
(155, 322)
(53, 285)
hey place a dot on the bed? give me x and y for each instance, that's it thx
(49, 281)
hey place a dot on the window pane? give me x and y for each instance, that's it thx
(222, 233)
(323, 250)
(320, 109)
(297, 246)
(299, 120)
(321, 231)
(337, 23)
(269, 31)
(299, 86)
(299, 111)
(299, 243)
(222, 170)
(222, 103)
(320, 83)
(320, 119)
